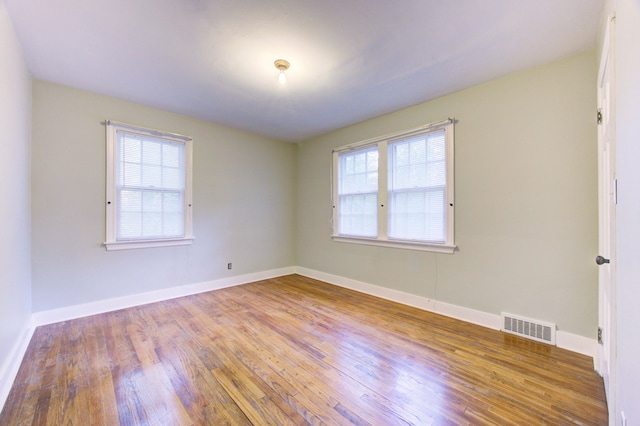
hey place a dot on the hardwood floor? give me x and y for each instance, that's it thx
(293, 350)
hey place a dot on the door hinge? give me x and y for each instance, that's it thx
(600, 335)
(599, 116)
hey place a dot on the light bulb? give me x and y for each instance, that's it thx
(282, 66)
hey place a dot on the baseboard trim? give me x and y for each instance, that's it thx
(102, 306)
(569, 341)
(580, 344)
(469, 315)
(10, 367)
(564, 340)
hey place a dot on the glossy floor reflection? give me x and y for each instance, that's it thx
(293, 350)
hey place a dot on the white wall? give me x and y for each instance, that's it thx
(15, 259)
(526, 200)
(628, 209)
(243, 203)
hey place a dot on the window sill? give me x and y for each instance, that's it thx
(408, 245)
(138, 244)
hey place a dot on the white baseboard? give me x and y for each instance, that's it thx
(580, 344)
(101, 306)
(10, 367)
(564, 340)
(469, 315)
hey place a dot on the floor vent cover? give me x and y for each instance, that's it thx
(532, 329)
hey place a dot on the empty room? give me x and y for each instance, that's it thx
(299, 212)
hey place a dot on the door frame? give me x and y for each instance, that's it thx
(607, 200)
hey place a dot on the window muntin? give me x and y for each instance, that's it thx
(413, 192)
(148, 188)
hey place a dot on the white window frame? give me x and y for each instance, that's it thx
(112, 243)
(383, 142)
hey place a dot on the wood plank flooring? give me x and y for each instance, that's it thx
(294, 351)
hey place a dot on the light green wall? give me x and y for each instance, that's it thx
(526, 200)
(243, 201)
(15, 257)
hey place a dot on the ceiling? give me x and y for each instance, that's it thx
(351, 60)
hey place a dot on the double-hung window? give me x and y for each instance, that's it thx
(148, 195)
(397, 190)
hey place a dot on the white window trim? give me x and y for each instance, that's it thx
(383, 240)
(112, 127)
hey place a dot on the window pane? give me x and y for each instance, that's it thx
(131, 149)
(152, 201)
(418, 175)
(131, 174)
(360, 163)
(346, 185)
(357, 190)
(151, 152)
(358, 215)
(151, 224)
(417, 187)
(358, 171)
(436, 174)
(172, 178)
(400, 176)
(417, 151)
(130, 201)
(150, 177)
(401, 154)
(171, 154)
(436, 146)
(129, 225)
(172, 202)
(371, 204)
(417, 215)
(348, 164)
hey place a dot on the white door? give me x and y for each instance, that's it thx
(607, 199)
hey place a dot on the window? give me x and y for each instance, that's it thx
(397, 190)
(358, 192)
(148, 188)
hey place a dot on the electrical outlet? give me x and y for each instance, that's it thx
(229, 265)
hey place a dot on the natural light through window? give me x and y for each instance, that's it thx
(359, 193)
(417, 188)
(397, 190)
(148, 188)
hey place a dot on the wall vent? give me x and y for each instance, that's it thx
(532, 329)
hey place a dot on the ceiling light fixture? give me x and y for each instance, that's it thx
(282, 65)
